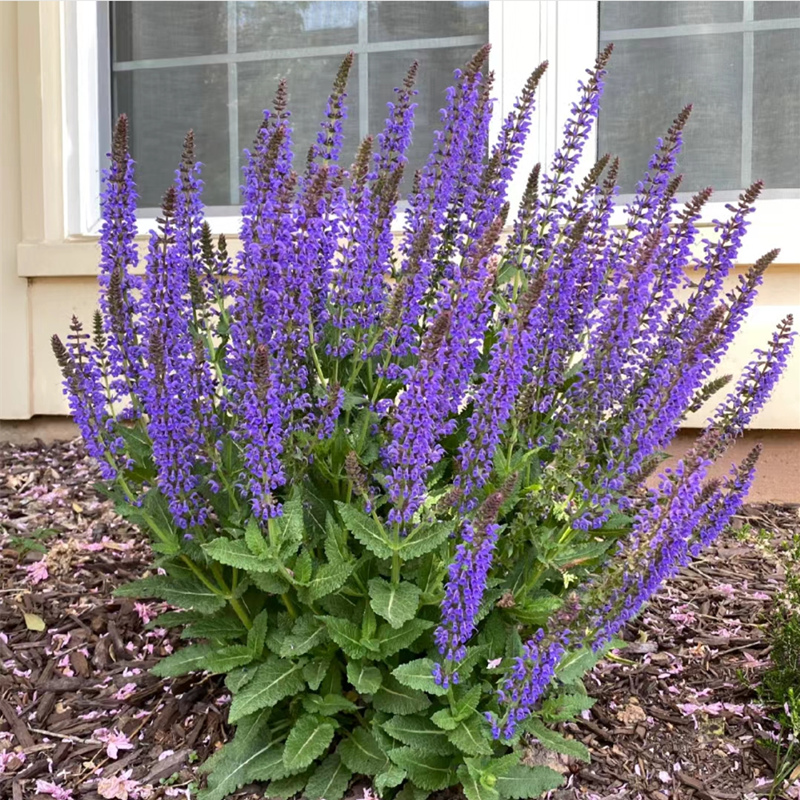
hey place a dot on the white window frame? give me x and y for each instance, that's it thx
(523, 34)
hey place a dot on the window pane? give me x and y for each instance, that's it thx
(148, 30)
(776, 109)
(423, 20)
(280, 26)
(162, 105)
(777, 9)
(217, 74)
(622, 14)
(309, 83)
(650, 81)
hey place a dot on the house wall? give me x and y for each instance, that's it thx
(46, 277)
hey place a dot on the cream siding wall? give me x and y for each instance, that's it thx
(45, 277)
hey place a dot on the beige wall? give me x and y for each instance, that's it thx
(45, 277)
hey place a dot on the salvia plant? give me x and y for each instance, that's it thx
(396, 483)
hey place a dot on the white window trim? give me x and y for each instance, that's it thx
(523, 34)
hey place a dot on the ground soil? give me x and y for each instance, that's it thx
(677, 712)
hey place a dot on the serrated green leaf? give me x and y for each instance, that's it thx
(327, 706)
(224, 659)
(362, 754)
(388, 779)
(336, 550)
(303, 568)
(394, 698)
(366, 530)
(192, 658)
(427, 770)
(236, 553)
(329, 780)
(365, 679)
(306, 634)
(229, 766)
(469, 736)
(418, 674)
(473, 788)
(267, 766)
(257, 635)
(217, 627)
(315, 671)
(553, 740)
(425, 539)
(467, 703)
(185, 593)
(467, 664)
(275, 679)
(521, 782)
(291, 527)
(278, 631)
(395, 602)
(270, 582)
(328, 578)
(307, 741)
(561, 707)
(284, 788)
(255, 539)
(236, 680)
(420, 732)
(444, 720)
(393, 641)
(346, 635)
(576, 664)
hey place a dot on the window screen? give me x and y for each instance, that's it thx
(737, 62)
(214, 66)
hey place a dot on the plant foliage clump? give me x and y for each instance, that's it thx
(395, 487)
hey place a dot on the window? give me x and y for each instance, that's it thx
(737, 62)
(214, 66)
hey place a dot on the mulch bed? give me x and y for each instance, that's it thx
(81, 716)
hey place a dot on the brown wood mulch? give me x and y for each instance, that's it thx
(81, 717)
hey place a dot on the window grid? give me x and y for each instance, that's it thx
(362, 48)
(748, 27)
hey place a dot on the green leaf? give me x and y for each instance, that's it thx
(411, 792)
(275, 679)
(188, 593)
(236, 680)
(287, 787)
(236, 553)
(365, 679)
(362, 754)
(388, 779)
(315, 671)
(445, 720)
(425, 539)
(224, 659)
(267, 766)
(561, 707)
(427, 770)
(536, 610)
(257, 635)
(329, 781)
(394, 698)
(307, 741)
(418, 674)
(393, 641)
(474, 788)
(229, 766)
(328, 578)
(217, 627)
(303, 568)
(290, 526)
(520, 782)
(187, 659)
(553, 740)
(346, 635)
(270, 582)
(395, 602)
(470, 737)
(255, 539)
(366, 530)
(577, 663)
(420, 732)
(306, 634)
(327, 706)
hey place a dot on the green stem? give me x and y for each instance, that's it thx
(315, 357)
